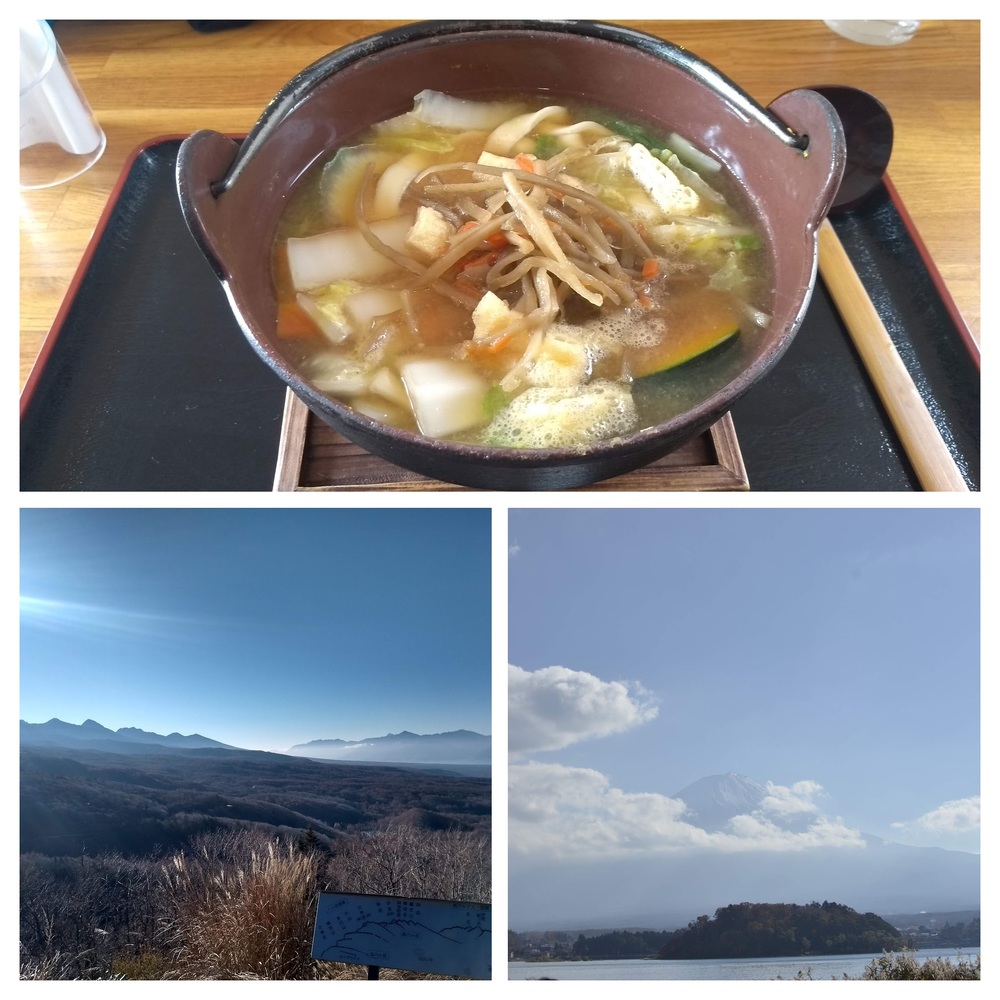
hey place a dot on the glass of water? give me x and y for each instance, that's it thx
(875, 32)
(60, 137)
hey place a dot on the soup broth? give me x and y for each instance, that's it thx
(518, 275)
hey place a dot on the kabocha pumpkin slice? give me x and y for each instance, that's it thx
(696, 322)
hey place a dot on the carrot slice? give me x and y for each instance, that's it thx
(463, 285)
(650, 268)
(479, 348)
(294, 323)
(489, 257)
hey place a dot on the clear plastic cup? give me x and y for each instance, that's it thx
(875, 32)
(60, 137)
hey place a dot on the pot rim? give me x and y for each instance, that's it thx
(298, 88)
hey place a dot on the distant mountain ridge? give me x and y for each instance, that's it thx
(460, 746)
(92, 734)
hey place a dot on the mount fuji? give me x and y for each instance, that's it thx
(713, 801)
(667, 891)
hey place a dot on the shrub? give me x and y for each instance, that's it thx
(78, 914)
(145, 965)
(398, 860)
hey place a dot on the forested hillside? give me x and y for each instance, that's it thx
(620, 944)
(766, 930)
(88, 802)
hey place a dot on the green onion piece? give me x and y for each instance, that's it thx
(546, 146)
(494, 401)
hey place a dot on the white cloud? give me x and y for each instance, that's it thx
(784, 801)
(759, 833)
(954, 816)
(555, 707)
(572, 813)
(512, 550)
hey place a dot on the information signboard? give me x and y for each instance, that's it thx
(421, 935)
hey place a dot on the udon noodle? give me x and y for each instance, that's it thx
(514, 275)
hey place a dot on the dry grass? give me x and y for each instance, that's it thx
(55, 966)
(906, 965)
(251, 920)
(241, 905)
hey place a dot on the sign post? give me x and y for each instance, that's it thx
(396, 932)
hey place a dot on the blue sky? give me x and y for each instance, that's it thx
(831, 652)
(261, 628)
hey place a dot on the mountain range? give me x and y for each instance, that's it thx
(668, 891)
(93, 736)
(459, 747)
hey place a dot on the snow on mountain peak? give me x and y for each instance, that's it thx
(714, 800)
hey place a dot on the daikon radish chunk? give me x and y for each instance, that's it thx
(363, 306)
(445, 395)
(389, 386)
(314, 261)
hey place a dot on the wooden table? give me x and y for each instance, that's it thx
(147, 79)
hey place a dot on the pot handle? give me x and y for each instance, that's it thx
(202, 159)
(811, 177)
(732, 94)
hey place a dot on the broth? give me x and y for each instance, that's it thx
(518, 275)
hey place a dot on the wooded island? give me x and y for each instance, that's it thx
(771, 930)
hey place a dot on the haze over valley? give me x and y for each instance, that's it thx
(87, 789)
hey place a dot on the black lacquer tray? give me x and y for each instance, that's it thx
(146, 382)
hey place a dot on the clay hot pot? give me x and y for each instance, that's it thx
(787, 159)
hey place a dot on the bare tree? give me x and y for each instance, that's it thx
(396, 860)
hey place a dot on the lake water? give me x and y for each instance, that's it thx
(823, 967)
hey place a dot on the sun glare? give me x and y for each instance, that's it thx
(89, 619)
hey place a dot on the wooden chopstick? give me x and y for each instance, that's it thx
(926, 449)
